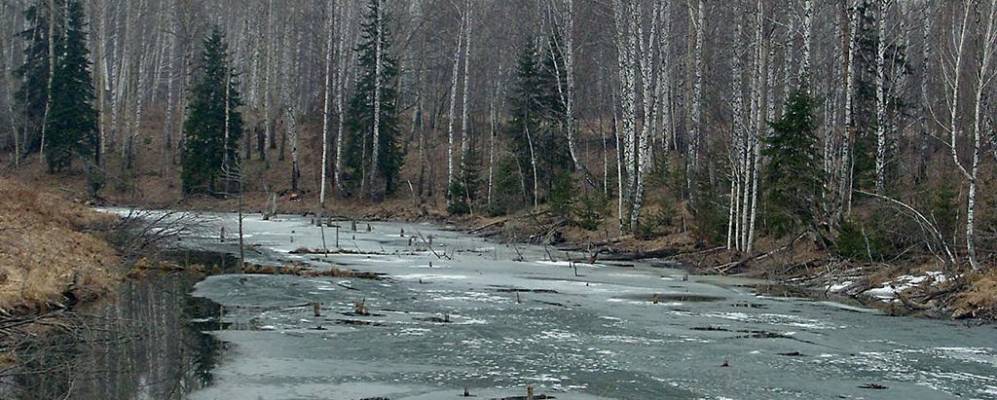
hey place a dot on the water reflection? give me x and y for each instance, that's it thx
(145, 344)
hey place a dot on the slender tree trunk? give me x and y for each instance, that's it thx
(168, 114)
(452, 113)
(330, 12)
(925, 103)
(375, 142)
(759, 123)
(881, 121)
(984, 77)
(341, 82)
(698, 21)
(738, 142)
(533, 164)
(493, 119)
(663, 100)
(464, 139)
(845, 175)
(954, 75)
(292, 134)
(648, 72)
(807, 31)
(51, 72)
(568, 52)
(626, 34)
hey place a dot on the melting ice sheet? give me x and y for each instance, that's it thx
(492, 325)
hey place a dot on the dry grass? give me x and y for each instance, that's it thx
(45, 252)
(980, 300)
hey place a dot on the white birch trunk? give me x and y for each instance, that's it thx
(341, 78)
(845, 175)
(626, 55)
(327, 96)
(464, 139)
(808, 7)
(758, 102)
(738, 143)
(647, 67)
(375, 142)
(695, 139)
(954, 76)
(881, 98)
(452, 113)
(493, 122)
(568, 52)
(662, 104)
(984, 77)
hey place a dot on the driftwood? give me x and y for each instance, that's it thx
(429, 245)
(724, 268)
(607, 254)
(507, 219)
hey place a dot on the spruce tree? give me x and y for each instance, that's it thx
(360, 116)
(210, 120)
(793, 176)
(525, 110)
(72, 120)
(536, 108)
(33, 94)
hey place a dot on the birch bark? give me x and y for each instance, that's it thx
(452, 113)
(375, 142)
(330, 17)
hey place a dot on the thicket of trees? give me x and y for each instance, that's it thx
(854, 121)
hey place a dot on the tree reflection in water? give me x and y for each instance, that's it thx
(148, 342)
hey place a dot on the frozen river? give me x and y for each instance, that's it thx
(462, 314)
(603, 332)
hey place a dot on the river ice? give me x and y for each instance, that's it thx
(605, 332)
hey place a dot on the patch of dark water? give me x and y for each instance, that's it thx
(656, 298)
(148, 340)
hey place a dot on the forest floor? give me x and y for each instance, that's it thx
(919, 286)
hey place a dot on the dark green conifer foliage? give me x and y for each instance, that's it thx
(72, 119)
(465, 189)
(204, 151)
(32, 96)
(537, 114)
(360, 116)
(793, 178)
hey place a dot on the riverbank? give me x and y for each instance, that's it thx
(53, 257)
(52, 251)
(917, 286)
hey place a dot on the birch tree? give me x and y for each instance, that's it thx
(626, 45)
(881, 118)
(953, 71)
(758, 126)
(464, 139)
(327, 96)
(451, 114)
(697, 18)
(378, 70)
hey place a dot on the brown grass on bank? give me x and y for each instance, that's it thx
(45, 253)
(980, 300)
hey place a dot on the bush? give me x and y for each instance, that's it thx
(561, 195)
(458, 200)
(710, 213)
(507, 188)
(590, 211)
(853, 242)
(656, 222)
